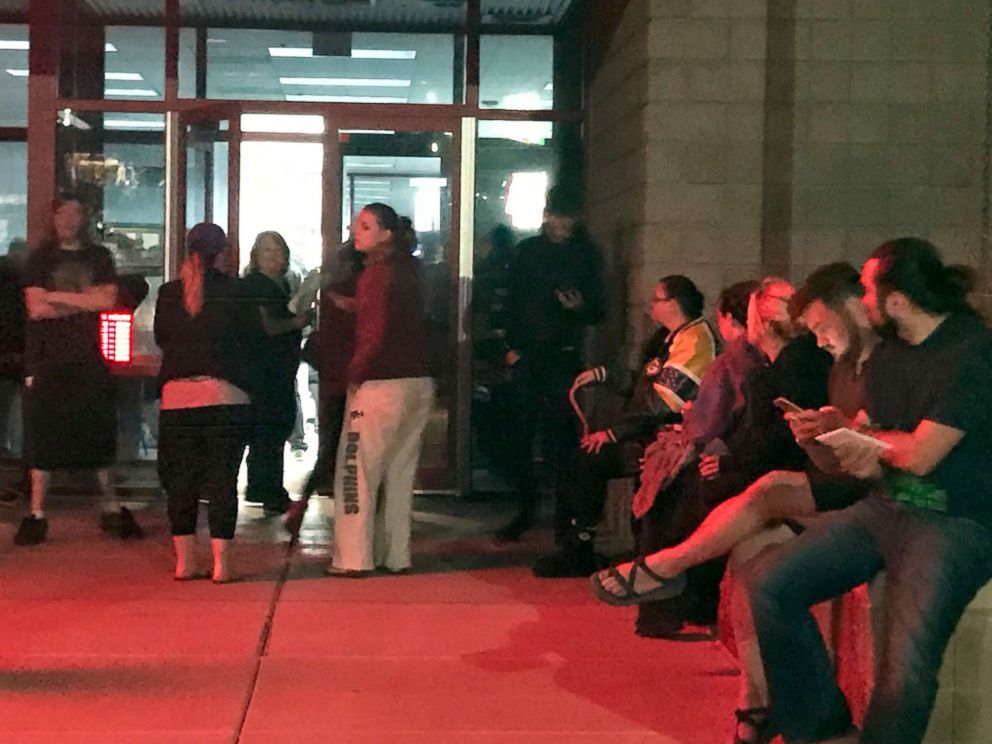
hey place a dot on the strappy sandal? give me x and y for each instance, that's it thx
(666, 587)
(759, 720)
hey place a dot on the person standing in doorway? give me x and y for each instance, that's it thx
(70, 416)
(390, 396)
(275, 407)
(555, 291)
(331, 348)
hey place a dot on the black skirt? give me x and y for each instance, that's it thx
(70, 417)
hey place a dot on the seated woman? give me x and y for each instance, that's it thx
(674, 362)
(790, 366)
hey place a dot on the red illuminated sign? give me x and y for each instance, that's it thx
(116, 337)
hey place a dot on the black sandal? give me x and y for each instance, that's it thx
(759, 720)
(666, 587)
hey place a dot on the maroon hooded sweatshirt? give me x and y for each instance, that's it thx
(390, 334)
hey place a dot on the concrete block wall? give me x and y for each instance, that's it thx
(890, 128)
(699, 90)
(730, 138)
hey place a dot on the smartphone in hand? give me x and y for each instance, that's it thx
(786, 406)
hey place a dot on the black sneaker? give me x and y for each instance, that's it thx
(276, 508)
(121, 524)
(10, 496)
(567, 564)
(32, 531)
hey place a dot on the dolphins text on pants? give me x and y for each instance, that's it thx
(351, 474)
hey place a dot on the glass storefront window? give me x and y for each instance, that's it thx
(330, 67)
(13, 193)
(134, 63)
(187, 63)
(13, 75)
(281, 190)
(516, 72)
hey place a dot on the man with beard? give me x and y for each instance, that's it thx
(831, 307)
(926, 520)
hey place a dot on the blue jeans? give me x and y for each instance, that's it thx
(934, 566)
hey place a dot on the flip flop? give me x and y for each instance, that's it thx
(666, 587)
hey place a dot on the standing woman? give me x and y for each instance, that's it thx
(275, 406)
(207, 332)
(70, 411)
(390, 397)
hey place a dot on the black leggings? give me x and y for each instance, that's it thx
(199, 454)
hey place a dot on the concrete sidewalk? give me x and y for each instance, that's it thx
(101, 645)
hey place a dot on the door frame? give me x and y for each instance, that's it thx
(336, 118)
(459, 472)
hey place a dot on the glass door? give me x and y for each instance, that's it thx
(206, 143)
(415, 171)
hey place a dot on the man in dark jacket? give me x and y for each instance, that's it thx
(555, 291)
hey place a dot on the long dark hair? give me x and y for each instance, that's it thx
(913, 266)
(404, 237)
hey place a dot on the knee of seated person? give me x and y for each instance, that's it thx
(764, 581)
(761, 491)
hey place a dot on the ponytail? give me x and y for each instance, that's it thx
(204, 242)
(191, 274)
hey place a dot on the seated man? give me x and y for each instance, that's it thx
(926, 520)
(674, 362)
(831, 307)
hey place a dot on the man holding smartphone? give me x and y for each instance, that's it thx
(555, 291)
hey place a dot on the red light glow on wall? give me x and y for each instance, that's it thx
(116, 336)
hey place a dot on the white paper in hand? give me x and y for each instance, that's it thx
(306, 295)
(849, 437)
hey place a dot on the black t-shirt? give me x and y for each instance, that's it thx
(73, 339)
(946, 379)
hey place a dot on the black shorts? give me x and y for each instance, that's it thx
(833, 492)
(70, 417)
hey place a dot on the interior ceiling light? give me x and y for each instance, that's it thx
(307, 52)
(13, 45)
(137, 92)
(343, 99)
(383, 54)
(347, 82)
(130, 124)
(17, 72)
(130, 76)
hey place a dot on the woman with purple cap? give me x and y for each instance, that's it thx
(207, 331)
